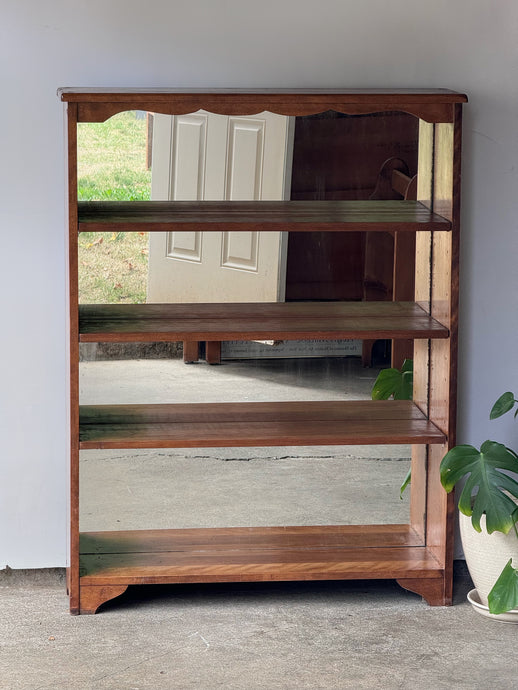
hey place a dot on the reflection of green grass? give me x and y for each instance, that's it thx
(112, 166)
(122, 190)
(112, 267)
(112, 159)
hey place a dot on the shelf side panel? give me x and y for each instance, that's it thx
(73, 354)
(443, 358)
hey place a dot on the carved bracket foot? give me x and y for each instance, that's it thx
(432, 590)
(92, 596)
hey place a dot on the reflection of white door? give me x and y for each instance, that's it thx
(216, 157)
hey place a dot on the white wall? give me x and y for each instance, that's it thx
(467, 45)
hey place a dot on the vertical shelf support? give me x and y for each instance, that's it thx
(73, 562)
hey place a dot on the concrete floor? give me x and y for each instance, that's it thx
(286, 636)
(276, 635)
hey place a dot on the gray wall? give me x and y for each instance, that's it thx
(467, 45)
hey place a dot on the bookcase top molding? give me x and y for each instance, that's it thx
(98, 104)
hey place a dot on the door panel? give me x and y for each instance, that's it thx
(240, 250)
(184, 246)
(246, 138)
(212, 157)
(190, 137)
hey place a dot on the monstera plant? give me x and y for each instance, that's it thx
(490, 490)
(397, 384)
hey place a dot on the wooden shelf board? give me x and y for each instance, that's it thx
(254, 554)
(255, 424)
(246, 216)
(258, 321)
(435, 95)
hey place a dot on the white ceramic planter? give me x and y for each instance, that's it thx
(486, 555)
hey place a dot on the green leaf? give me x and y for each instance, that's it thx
(504, 403)
(387, 382)
(394, 382)
(504, 595)
(487, 485)
(408, 366)
(405, 483)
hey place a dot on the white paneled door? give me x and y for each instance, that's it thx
(203, 156)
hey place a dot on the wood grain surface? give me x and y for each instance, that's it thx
(246, 216)
(96, 105)
(257, 321)
(202, 425)
(253, 554)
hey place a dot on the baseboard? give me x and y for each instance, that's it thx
(32, 576)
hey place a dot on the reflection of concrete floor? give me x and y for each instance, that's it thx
(138, 489)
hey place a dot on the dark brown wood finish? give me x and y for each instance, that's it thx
(96, 105)
(254, 554)
(322, 143)
(93, 596)
(419, 555)
(255, 321)
(219, 216)
(248, 538)
(72, 241)
(255, 565)
(114, 560)
(430, 588)
(191, 348)
(213, 351)
(254, 424)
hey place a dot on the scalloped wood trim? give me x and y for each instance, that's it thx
(92, 596)
(431, 589)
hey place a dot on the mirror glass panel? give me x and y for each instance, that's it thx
(141, 156)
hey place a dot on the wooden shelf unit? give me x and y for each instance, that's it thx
(418, 555)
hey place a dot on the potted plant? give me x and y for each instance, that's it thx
(488, 511)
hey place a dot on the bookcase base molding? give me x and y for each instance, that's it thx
(112, 561)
